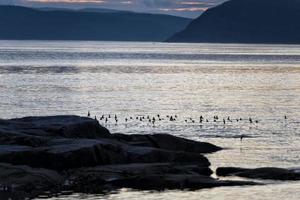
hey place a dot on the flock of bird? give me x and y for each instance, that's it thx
(109, 119)
(153, 120)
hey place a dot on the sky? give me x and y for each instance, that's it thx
(186, 8)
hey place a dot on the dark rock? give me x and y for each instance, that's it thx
(157, 176)
(179, 181)
(110, 172)
(63, 126)
(63, 154)
(167, 142)
(14, 179)
(260, 173)
(89, 158)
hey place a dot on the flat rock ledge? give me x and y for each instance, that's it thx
(265, 173)
(57, 153)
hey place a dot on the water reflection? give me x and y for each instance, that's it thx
(188, 80)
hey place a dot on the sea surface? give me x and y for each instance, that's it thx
(232, 81)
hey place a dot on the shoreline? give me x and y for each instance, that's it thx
(59, 153)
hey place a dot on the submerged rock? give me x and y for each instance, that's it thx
(271, 173)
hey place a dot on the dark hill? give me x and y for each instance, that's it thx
(25, 23)
(246, 21)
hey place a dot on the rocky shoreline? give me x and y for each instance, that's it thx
(58, 153)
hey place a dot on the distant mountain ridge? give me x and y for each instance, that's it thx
(246, 21)
(22, 23)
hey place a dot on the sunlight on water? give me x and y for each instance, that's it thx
(261, 82)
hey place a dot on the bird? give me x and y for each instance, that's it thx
(153, 121)
(89, 114)
(242, 137)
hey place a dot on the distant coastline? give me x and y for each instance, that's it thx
(22, 23)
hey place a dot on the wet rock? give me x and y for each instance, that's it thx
(51, 126)
(117, 176)
(179, 181)
(89, 158)
(168, 142)
(63, 154)
(111, 172)
(14, 179)
(157, 176)
(260, 173)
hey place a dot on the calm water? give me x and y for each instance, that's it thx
(189, 80)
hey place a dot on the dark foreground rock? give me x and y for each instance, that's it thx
(24, 181)
(167, 142)
(39, 154)
(154, 176)
(260, 173)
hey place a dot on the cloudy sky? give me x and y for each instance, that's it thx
(187, 8)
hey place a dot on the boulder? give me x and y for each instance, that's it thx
(271, 173)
